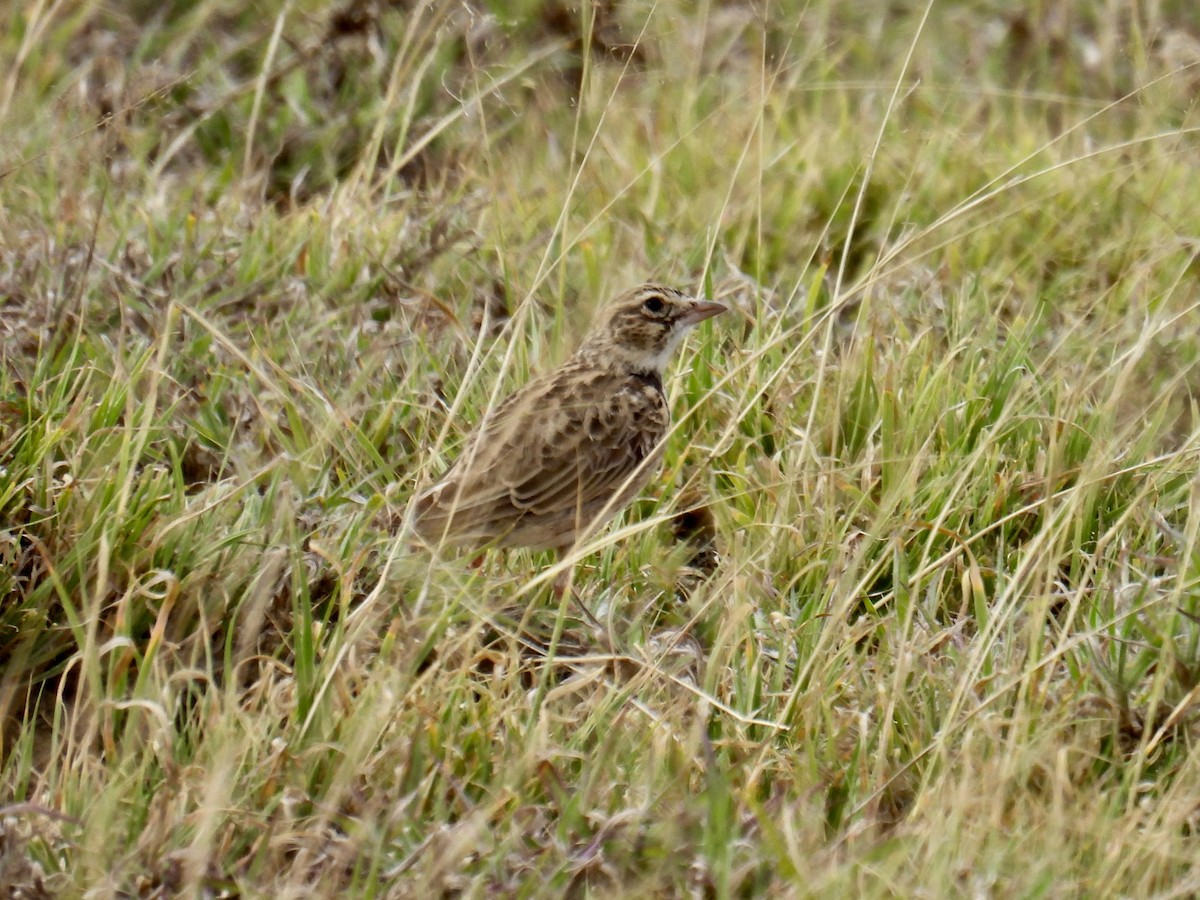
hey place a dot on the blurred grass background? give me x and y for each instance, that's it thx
(912, 607)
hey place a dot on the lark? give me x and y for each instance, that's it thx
(566, 452)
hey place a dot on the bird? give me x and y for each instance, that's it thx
(567, 451)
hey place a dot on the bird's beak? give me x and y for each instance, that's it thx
(701, 310)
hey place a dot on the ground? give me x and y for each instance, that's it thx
(912, 609)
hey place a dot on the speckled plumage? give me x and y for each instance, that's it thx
(571, 448)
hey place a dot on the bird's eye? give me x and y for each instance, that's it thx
(654, 306)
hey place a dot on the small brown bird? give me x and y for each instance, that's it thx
(569, 450)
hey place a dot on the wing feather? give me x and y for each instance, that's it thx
(539, 460)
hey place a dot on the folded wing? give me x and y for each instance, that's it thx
(546, 461)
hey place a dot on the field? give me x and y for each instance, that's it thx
(913, 608)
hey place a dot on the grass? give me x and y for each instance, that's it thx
(262, 266)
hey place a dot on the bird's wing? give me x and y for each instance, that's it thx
(541, 455)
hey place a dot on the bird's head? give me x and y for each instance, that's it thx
(642, 327)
